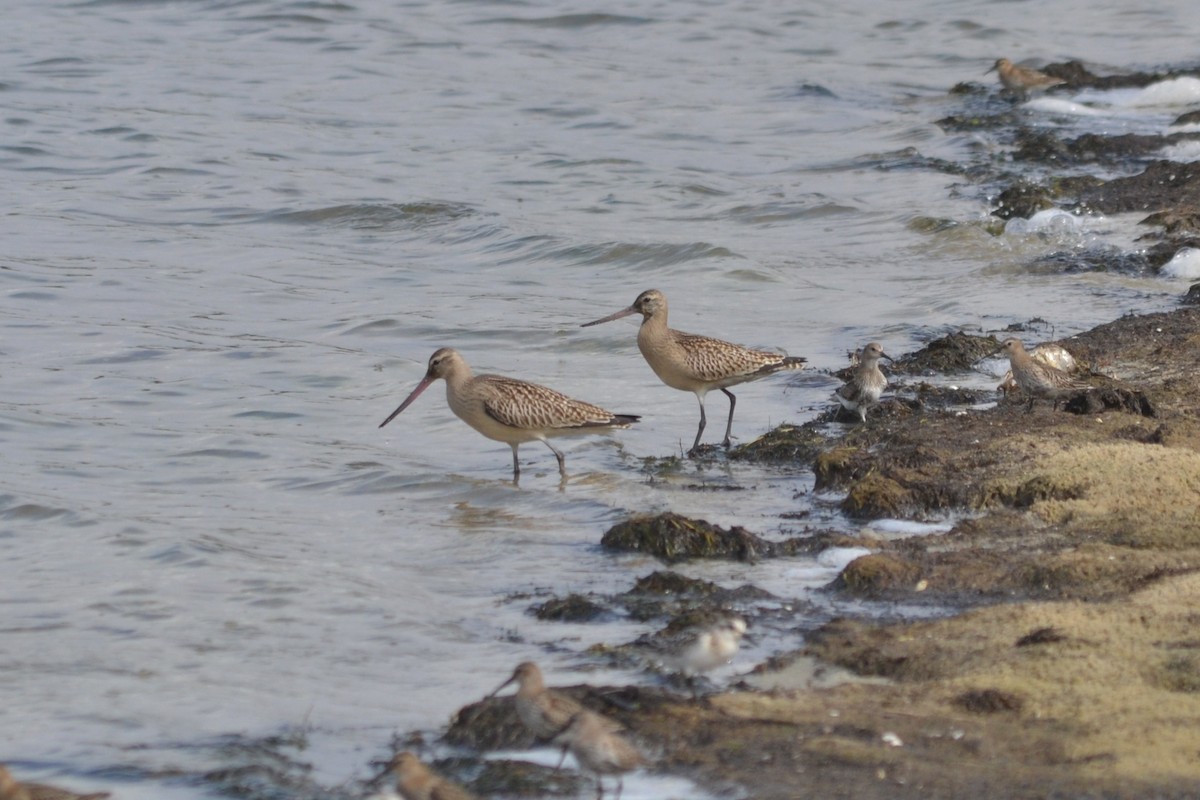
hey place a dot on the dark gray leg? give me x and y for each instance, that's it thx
(729, 425)
(562, 465)
(516, 463)
(699, 430)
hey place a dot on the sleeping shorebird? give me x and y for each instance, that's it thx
(11, 790)
(512, 411)
(415, 781)
(545, 712)
(600, 750)
(694, 363)
(1035, 378)
(1022, 79)
(866, 382)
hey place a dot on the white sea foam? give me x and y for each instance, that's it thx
(904, 527)
(1185, 264)
(1051, 220)
(1183, 151)
(1059, 105)
(838, 557)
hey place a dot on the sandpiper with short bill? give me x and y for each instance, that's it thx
(1023, 80)
(866, 382)
(1036, 379)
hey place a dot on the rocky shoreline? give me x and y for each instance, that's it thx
(1070, 664)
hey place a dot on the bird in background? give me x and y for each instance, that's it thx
(1036, 379)
(415, 781)
(10, 789)
(544, 712)
(600, 750)
(510, 410)
(697, 364)
(866, 383)
(1022, 79)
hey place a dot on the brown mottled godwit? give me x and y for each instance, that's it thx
(1022, 79)
(866, 382)
(512, 411)
(415, 781)
(1035, 378)
(11, 790)
(599, 750)
(694, 363)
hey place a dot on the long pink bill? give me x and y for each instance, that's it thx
(422, 386)
(622, 313)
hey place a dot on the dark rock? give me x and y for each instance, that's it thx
(1163, 184)
(572, 608)
(1192, 298)
(1110, 398)
(957, 352)
(1041, 636)
(877, 573)
(675, 538)
(988, 701)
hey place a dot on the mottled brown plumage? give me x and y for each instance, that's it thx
(866, 383)
(697, 364)
(599, 750)
(512, 411)
(1036, 379)
(1022, 79)
(544, 712)
(10, 789)
(415, 781)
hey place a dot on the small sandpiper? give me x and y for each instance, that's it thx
(697, 364)
(415, 781)
(866, 383)
(1037, 379)
(545, 712)
(512, 411)
(1023, 80)
(11, 790)
(599, 750)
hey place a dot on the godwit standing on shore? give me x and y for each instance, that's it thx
(694, 363)
(1022, 79)
(1035, 378)
(600, 750)
(11, 790)
(866, 382)
(512, 411)
(415, 781)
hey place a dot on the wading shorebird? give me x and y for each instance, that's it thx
(1022, 79)
(866, 383)
(544, 712)
(512, 411)
(694, 363)
(599, 750)
(11, 790)
(415, 781)
(1035, 378)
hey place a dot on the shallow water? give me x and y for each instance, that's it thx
(237, 230)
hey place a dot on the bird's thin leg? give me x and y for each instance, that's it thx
(516, 463)
(700, 430)
(729, 425)
(562, 465)
(620, 784)
(562, 756)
